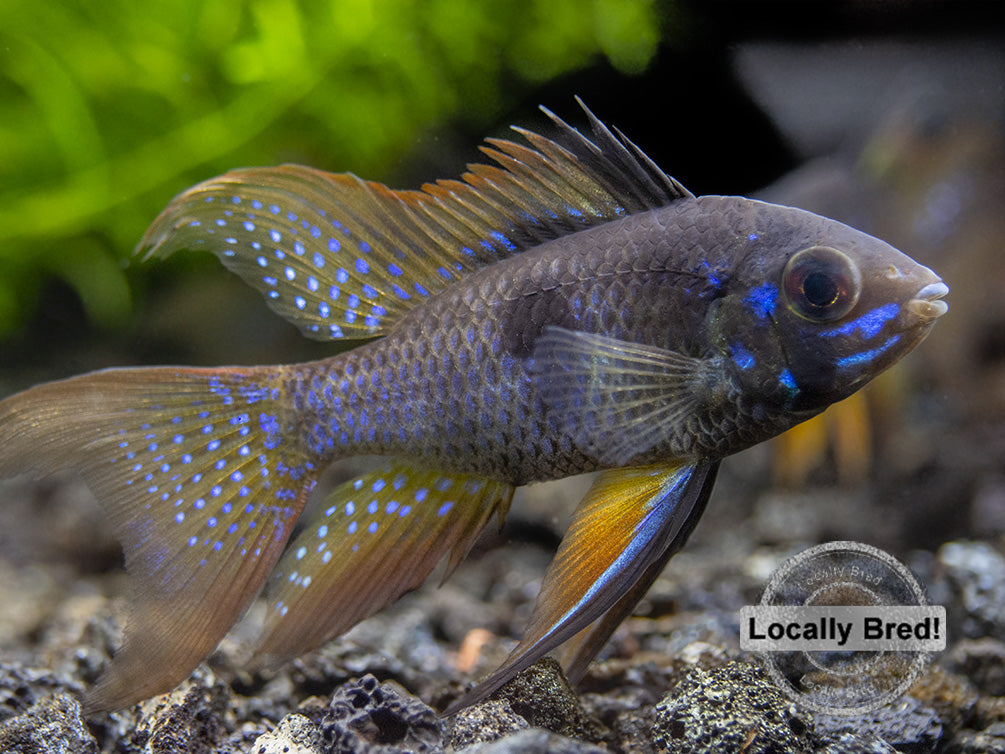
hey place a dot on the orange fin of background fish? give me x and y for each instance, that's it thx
(202, 482)
(341, 257)
(622, 530)
(617, 399)
(372, 540)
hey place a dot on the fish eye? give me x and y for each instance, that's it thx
(821, 284)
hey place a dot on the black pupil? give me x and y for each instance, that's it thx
(820, 289)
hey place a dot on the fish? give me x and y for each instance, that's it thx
(567, 308)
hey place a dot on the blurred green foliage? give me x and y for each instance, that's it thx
(110, 107)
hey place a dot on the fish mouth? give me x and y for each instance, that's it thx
(927, 304)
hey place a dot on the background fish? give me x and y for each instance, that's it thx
(572, 309)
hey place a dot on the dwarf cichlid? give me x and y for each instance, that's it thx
(570, 309)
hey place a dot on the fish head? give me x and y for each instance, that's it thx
(821, 308)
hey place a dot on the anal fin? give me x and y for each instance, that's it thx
(374, 539)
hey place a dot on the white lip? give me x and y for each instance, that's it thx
(926, 303)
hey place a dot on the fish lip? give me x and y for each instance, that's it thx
(927, 303)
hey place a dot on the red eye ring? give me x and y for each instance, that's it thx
(821, 284)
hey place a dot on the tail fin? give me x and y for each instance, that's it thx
(203, 477)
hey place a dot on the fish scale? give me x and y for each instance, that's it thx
(571, 308)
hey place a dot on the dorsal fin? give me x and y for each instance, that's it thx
(341, 257)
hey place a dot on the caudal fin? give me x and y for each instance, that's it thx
(203, 478)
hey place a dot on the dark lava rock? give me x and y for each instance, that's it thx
(535, 741)
(852, 743)
(295, 734)
(21, 687)
(907, 724)
(483, 723)
(988, 741)
(732, 708)
(543, 697)
(53, 725)
(192, 718)
(366, 716)
(976, 573)
(982, 661)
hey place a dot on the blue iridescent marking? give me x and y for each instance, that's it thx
(870, 323)
(270, 425)
(861, 359)
(741, 356)
(444, 509)
(372, 528)
(298, 248)
(333, 245)
(394, 269)
(788, 381)
(318, 259)
(341, 276)
(275, 236)
(762, 300)
(510, 246)
(362, 267)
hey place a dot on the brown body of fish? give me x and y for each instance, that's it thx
(573, 310)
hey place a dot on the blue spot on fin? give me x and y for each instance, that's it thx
(372, 540)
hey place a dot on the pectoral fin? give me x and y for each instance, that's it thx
(626, 528)
(616, 398)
